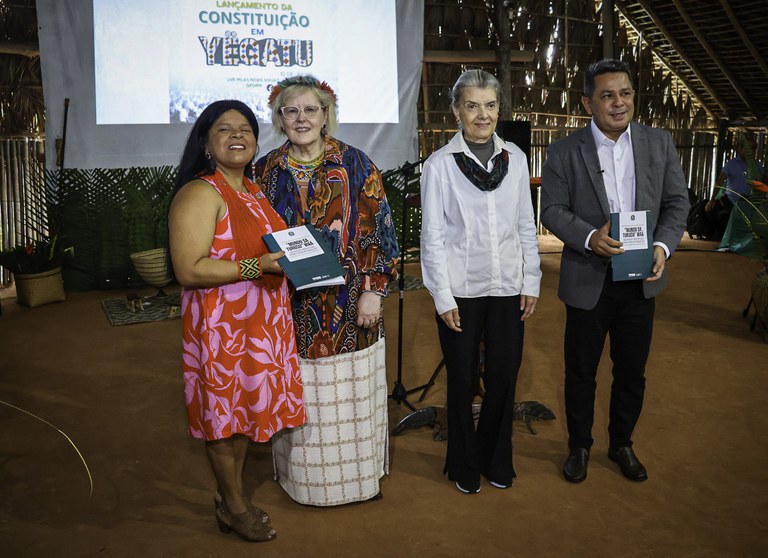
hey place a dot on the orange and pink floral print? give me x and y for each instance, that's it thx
(241, 369)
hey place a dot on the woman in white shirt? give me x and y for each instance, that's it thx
(480, 263)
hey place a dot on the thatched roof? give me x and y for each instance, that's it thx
(717, 48)
(696, 62)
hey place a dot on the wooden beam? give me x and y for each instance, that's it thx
(744, 37)
(475, 56)
(425, 93)
(30, 50)
(757, 123)
(715, 57)
(13, 87)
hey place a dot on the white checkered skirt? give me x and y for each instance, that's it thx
(342, 451)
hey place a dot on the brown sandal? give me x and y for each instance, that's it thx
(264, 516)
(247, 525)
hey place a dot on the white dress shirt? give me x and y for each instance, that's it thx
(617, 163)
(475, 243)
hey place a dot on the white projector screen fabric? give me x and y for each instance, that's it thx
(134, 92)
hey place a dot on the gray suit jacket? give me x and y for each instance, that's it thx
(574, 202)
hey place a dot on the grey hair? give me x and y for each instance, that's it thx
(473, 78)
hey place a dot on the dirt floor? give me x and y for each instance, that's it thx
(116, 393)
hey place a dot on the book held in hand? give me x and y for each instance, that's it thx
(308, 260)
(633, 230)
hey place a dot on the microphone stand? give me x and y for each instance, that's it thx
(399, 392)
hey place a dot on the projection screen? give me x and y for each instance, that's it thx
(137, 73)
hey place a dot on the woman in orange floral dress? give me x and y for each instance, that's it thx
(241, 370)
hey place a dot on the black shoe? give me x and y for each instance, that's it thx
(629, 463)
(468, 488)
(575, 469)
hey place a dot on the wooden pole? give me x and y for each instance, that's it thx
(608, 30)
(504, 58)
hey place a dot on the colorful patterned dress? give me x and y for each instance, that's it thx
(349, 209)
(241, 370)
(341, 453)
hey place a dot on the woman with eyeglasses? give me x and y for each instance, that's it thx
(340, 455)
(241, 370)
(480, 263)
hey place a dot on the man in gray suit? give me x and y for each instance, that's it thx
(612, 165)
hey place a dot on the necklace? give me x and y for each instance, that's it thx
(311, 163)
(302, 171)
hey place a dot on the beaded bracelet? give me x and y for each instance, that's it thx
(249, 269)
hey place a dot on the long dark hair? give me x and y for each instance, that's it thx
(193, 161)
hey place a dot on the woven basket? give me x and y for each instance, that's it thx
(152, 267)
(40, 288)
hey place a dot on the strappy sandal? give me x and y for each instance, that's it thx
(246, 525)
(260, 513)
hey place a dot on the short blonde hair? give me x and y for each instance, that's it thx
(294, 86)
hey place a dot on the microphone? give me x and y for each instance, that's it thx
(600, 171)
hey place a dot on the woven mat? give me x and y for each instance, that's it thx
(119, 313)
(155, 309)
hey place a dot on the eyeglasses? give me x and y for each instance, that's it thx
(310, 111)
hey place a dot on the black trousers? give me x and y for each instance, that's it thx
(487, 450)
(626, 316)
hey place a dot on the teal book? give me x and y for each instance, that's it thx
(308, 261)
(635, 231)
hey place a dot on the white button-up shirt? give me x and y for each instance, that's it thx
(475, 243)
(618, 165)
